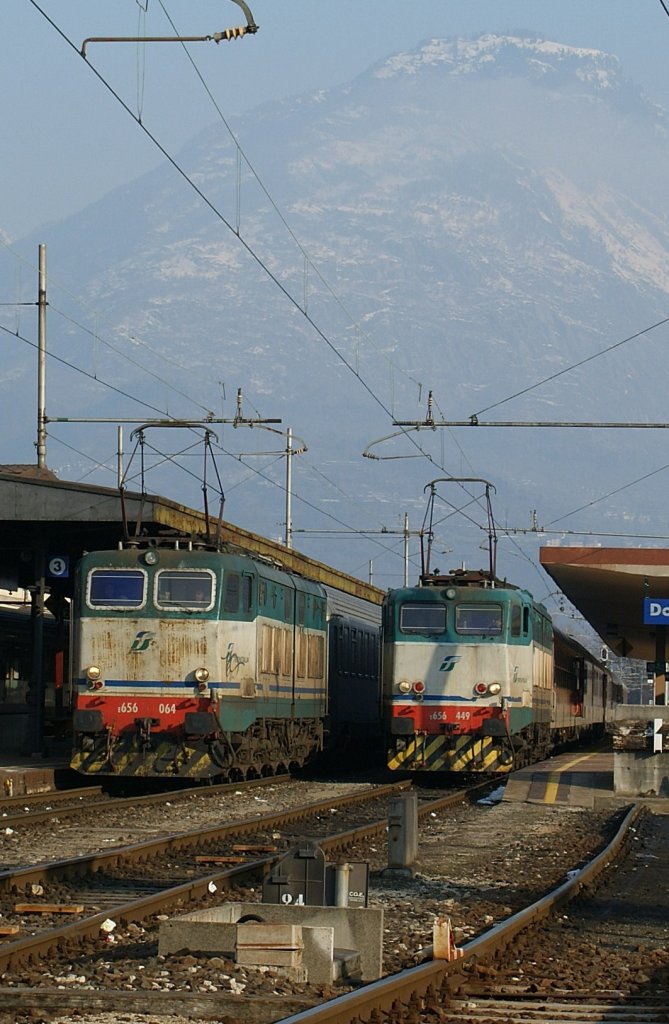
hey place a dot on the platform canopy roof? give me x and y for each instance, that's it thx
(608, 587)
(42, 517)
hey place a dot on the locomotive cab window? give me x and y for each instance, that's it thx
(520, 620)
(116, 588)
(423, 618)
(247, 593)
(231, 593)
(184, 588)
(478, 620)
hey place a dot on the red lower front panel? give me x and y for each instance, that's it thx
(122, 712)
(456, 720)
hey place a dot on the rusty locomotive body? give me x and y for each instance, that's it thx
(196, 663)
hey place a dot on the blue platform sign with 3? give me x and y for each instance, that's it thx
(58, 566)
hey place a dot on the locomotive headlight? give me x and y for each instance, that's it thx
(494, 689)
(201, 675)
(404, 686)
(94, 678)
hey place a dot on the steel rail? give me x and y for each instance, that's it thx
(137, 852)
(402, 993)
(55, 796)
(119, 803)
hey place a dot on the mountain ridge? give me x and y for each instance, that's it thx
(487, 228)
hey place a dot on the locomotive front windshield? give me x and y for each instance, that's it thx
(178, 588)
(478, 619)
(116, 588)
(423, 618)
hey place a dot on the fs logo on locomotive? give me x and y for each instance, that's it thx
(143, 640)
(449, 662)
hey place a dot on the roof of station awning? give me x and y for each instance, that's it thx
(608, 587)
(63, 518)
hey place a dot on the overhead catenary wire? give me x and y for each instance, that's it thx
(609, 494)
(212, 207)
(217, 213)
(568, 369)
(308, 262)
(254, 470)
(85, 373)
(248, 248)
(97, 335)
(95, 376)
(134, 362)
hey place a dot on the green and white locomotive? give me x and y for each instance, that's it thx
(196, 663)
(475, 677)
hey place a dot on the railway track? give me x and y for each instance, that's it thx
(524, 969)
(21, 811)
(15, 806)
(522, 845)
(605, 956)
(57, 881)
(47, 945)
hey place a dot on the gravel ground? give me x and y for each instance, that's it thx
(476, 864)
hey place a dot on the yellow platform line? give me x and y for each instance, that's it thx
(553, 778)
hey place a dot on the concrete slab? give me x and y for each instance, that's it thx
(641, 773)
(575, 780)
(213, 931)
(22, 779)
(269, 944)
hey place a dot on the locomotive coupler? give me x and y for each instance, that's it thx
(144, 730)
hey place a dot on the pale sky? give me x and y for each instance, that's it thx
(67, 142)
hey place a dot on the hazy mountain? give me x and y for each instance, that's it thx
(490, 211)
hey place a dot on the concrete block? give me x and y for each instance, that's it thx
(641, 773)
(214, 931)
(269, 945)
(347, 965)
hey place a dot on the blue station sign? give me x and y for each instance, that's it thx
(656, 611)
(58, 567)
